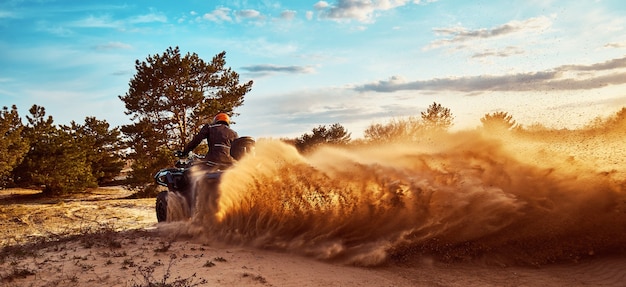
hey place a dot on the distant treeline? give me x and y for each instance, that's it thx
(59, 159)
(438, 119)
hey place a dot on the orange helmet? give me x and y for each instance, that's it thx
(221, 117)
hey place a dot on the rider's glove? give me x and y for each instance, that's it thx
(179, 153)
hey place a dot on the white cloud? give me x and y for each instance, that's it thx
(321, 5)
(562, 78)
(502, 53)
(97, 22)
(262, 47)
(249, 14)
(616, 45)
(269, 68)
(113, 46)
(218, 15)
(461, 34)
(288, 14)
(148, 18)
(360, 10)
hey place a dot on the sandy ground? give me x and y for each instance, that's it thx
(99, 239)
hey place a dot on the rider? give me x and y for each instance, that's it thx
(219, 137)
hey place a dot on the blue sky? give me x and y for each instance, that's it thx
(353, 62)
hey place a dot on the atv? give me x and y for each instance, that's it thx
(178, 179)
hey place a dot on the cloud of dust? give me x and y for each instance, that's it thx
(461, 196)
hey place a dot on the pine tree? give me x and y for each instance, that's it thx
(13, 146)
(498, 121)
(169, 98)
(437, 118)
(55, 159)
(408, 129)
(102, 147)
(336, 134)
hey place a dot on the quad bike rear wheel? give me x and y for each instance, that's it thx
(161, 206)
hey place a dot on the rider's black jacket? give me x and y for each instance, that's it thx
(219, 137)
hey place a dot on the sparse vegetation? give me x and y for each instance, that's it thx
(26, 259)
(498, 121)
(146, 275)
(165, 246)
(258, 278)
(409, 129)
(336, 134)
(16, 273)
(437, 118)
(128, 263)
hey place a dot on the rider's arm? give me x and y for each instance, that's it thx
(197, 139)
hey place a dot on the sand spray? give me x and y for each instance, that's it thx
(462, 196)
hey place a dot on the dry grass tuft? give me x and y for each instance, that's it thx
(146, 275)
